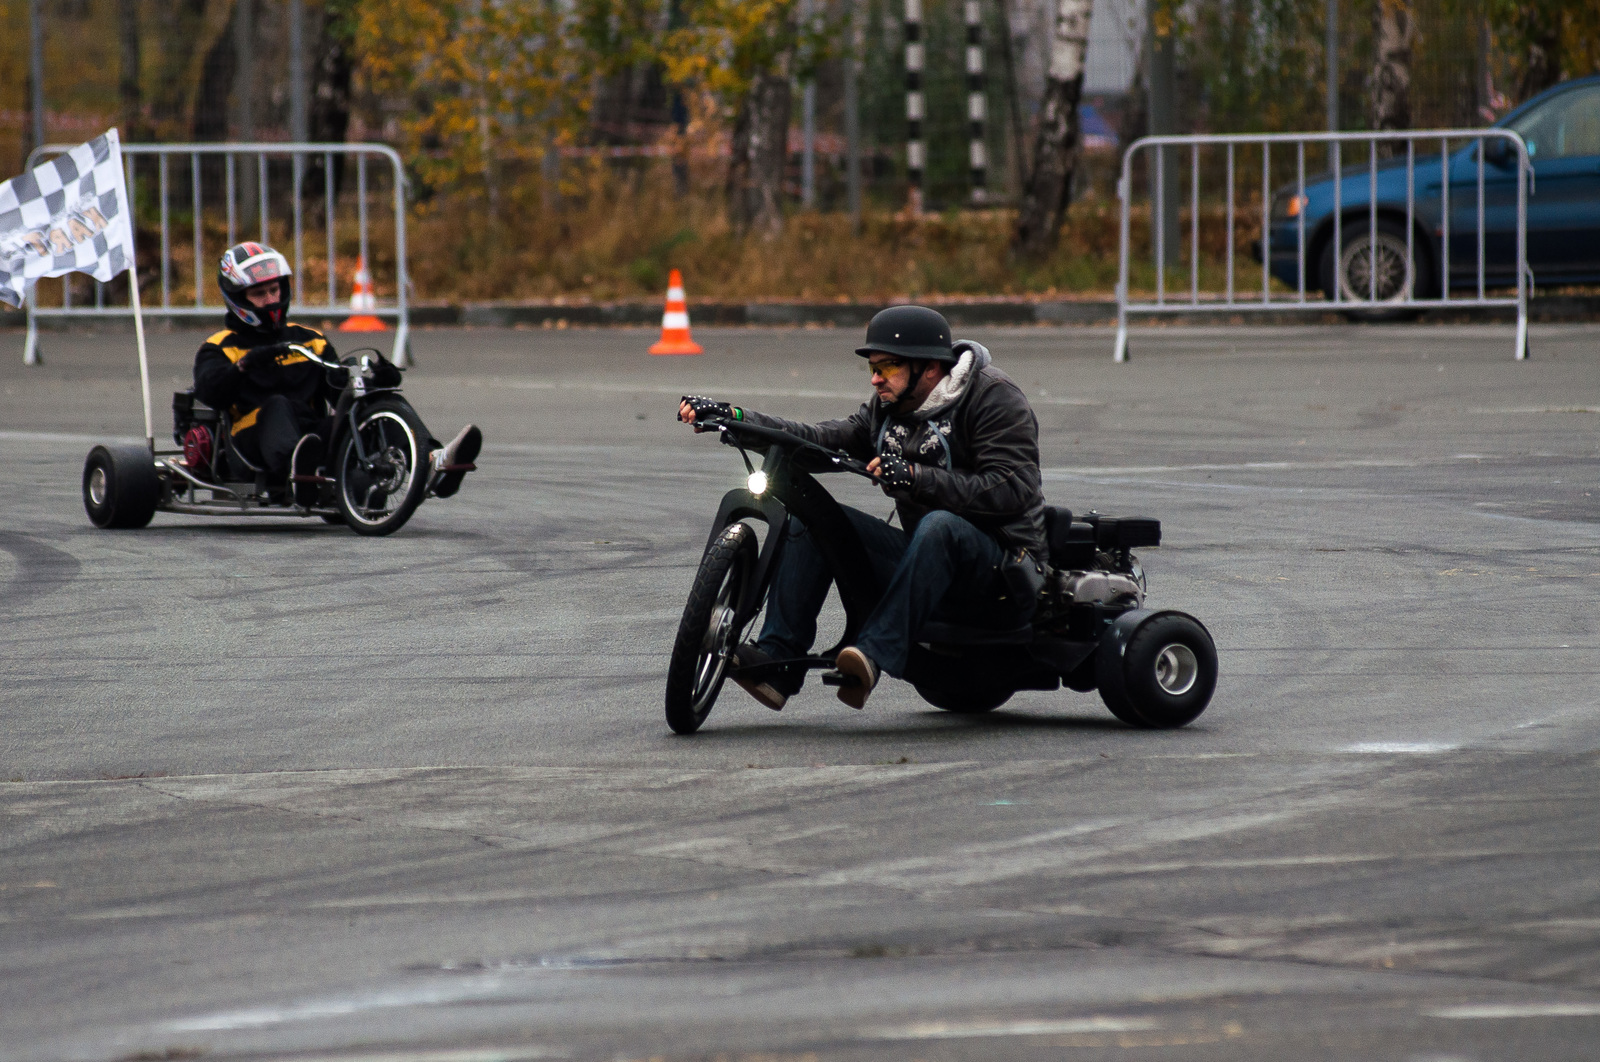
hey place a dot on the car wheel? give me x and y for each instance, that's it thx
(1400, 277)
(120, 486)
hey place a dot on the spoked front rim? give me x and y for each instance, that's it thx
(384, 488)
(720, 637)
(1177, 669)
(1389, 261)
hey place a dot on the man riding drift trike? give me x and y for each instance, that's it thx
(277, 424)
(983, 590)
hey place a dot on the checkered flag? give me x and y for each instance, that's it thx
(68, 215)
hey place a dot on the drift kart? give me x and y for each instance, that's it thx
(371, 475)
(1090, 629)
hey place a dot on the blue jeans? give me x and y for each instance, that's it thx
(945, 570)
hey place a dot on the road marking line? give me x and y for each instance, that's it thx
(1241, 466)
(948, 1030)
(476, 988)
(1412, 748)
(1474, 1011)
(508, 1054)
(64, 437)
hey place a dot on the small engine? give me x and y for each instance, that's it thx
(1096, 588)
(197, 449)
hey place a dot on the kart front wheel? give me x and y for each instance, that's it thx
(708, 634)
(1165, 676)
(382, 481)
(120, 486)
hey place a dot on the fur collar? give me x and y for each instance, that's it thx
(948, 392)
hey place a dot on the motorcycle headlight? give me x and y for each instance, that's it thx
(757, 483)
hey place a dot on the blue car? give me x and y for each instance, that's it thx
(1562, 130)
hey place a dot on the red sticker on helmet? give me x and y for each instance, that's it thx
(263, 271)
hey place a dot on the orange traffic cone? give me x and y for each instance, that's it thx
(675, 321)
(361, 299)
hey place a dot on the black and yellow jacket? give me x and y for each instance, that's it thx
(219, 383)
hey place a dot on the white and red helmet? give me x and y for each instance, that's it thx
(244, 266)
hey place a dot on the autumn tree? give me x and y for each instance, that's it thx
(486, 84)
(1394, 32)
(1048, 189)
(746, 52)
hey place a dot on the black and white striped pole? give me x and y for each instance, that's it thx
(977, 149)
(916, 158)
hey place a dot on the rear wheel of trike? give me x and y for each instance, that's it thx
(707, 634)
(1166, 674)
(120, 486)
(963, 699)
(379, 497)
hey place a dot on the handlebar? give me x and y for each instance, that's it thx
(359, 364)
(777, 436)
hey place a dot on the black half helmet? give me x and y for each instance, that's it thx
(913, 332)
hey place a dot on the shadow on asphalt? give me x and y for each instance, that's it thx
(945, 725)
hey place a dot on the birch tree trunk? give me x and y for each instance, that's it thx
(1048, 188)
(1394, 31)
(760, 152)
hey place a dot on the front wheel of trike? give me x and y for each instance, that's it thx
(381, 482)
(708, 633)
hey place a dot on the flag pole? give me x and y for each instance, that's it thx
(144, 361)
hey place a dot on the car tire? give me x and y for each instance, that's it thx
(1399, 280)
(121, 489)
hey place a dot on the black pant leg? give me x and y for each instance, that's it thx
(278, 428)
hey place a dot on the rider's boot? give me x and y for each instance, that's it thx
(761, 689)
(855, 665)
(452, 461)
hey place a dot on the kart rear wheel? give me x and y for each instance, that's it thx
(707, 634)
(378, 500)
(964, 701)
(1167, 675)
(120, 486)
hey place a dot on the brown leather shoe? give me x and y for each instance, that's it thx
(749, 656)
(854, 664)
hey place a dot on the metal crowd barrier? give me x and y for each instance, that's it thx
(253, 195)
(1356, 201)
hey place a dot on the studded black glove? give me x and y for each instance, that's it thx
(704, 407)
(895, 473)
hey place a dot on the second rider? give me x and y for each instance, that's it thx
(954, 442)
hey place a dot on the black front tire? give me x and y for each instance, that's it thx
(379, 500)
(707, 634)
(120, 486)
(1165, 676)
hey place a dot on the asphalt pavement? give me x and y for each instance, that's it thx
(272, 790)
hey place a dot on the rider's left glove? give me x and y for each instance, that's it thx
(895, 473)
(705, 408)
